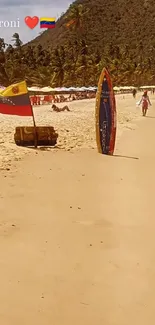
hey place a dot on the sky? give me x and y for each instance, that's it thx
(17, 10)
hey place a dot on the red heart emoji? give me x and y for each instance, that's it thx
(31, 22)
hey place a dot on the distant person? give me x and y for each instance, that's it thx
(34, 100)
(134, 93)
(145, 101)
(60, 109)
(38, 100)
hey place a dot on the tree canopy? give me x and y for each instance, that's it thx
(92, 34)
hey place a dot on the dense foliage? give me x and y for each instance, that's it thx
(90, 35)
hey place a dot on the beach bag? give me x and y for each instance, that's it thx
(25, 136)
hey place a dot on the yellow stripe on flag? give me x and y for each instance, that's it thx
(15, 89)
(47, 19)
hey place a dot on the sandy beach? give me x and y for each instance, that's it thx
(76, 129)
(76, 227)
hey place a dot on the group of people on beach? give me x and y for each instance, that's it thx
(49, 99)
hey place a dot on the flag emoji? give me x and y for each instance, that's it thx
(14, 100)
(47, 22)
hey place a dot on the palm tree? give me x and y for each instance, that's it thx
(75, 17)
(58, 69)
(2, 44)
(16, 40)
(3, 74)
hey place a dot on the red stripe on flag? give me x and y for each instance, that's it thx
(47, 26)
(16, 110)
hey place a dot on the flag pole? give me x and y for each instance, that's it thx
(35, 129)
(34, 123)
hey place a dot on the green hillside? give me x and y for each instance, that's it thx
(118, 34)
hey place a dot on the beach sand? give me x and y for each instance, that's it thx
(76, 129)
(77, 228)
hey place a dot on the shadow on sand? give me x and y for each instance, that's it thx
(127, 157)
(150, 116)
(48, 148)
(43, 148)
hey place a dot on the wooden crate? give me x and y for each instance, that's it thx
(25, 136)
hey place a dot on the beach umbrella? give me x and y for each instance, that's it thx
(83, 89)
(64, 89)
(91, 88)
(47, 89)
(72, 89)
(57, 89)
(116, 88)
(147, 87)
(34, 89)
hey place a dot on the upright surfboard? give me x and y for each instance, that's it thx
(105, 115)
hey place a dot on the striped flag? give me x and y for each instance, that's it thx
(14, 100)
(46, 22)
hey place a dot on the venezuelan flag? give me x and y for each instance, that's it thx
(14, 100)
(47, 22)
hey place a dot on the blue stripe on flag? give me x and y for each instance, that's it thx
(47, 22)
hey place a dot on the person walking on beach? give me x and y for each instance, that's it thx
(134, 92)
(145, 101)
